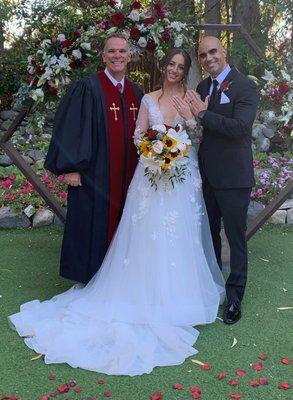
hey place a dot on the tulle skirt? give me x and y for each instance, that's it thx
(159, 279)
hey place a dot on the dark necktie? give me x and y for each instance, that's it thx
(119, 87)
(214, 92)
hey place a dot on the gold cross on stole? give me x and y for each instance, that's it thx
(132, 108)
(115, 109)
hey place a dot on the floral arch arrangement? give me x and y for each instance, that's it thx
(56, 61)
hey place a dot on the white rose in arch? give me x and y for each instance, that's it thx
(142, 42)
(77, 54)
(134, 15)
(61, 37)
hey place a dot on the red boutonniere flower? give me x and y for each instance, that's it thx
(225, 86)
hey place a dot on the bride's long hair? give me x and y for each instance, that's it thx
(166, 61)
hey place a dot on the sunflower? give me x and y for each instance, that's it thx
(170, 143)
(167, 162)
(144, 147)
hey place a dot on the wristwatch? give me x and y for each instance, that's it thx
(200, 115)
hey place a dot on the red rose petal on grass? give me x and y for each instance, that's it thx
(92, 398)
(257, 366)
(241, 372)
(77, 389)
(195, 389)
(253, 383)
(52, 377)
(222, 375)
(108, 394)
(286, 361)
(235, 396)
(195, 395)
(263, 357)
(157, 396)
(263, 381)
(64, 388)
(54, 394)
(233, 382)
(284, 385)
(101, 381)
(178, 386)
(206, 367)
(44, 398)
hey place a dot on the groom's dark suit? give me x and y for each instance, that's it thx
(226, 166)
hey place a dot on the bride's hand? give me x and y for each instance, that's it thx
(182, 108)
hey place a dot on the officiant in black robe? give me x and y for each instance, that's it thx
(93, 140)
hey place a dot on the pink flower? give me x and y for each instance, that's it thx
(63, 196)
(29, 186)
(10, 196)
(11, 177)
(45, 179)
(60, 178)
(52, 186)
(24, 191)
(7, 183)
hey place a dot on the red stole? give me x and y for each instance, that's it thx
(121, 115)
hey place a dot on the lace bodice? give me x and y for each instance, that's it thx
(150, 114)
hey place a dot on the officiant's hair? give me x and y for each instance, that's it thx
(187, 62)
(115, 35)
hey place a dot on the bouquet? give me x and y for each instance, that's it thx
(163, 151)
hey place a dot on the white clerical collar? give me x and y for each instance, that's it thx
(113, 80)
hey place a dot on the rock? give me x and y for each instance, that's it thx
(8, 114)
(9, 219)
(6, 125)
(29, 211)
(254, 209)
(290, 216)
(35, 154)
(5, 161)
(263, 143)
(279, 217)
(43, 217)
(287, 204)
(40, 163)
(268, 133)
(57, 221)
(28, 160)
(257, 130)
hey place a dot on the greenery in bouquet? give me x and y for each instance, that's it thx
(163, 151)
(272, 173)
(18, 193)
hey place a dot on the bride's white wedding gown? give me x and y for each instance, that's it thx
(158, 280)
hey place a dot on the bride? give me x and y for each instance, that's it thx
(159, 277)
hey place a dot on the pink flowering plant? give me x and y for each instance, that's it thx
(17, 192)
(272, 172)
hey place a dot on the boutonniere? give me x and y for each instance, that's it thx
(225, 86)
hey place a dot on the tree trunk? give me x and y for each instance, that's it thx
(183, 10)
(212, 16)
(247, 13)
(1, 38)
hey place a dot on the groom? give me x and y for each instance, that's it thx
(226, 109)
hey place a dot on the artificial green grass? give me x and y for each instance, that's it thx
(29, 270)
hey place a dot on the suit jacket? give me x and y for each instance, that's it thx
(225, 154)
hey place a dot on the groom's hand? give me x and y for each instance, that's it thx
(195, 102)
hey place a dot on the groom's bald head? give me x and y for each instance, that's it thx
(212, 55)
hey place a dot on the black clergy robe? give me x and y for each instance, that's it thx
(87, 138)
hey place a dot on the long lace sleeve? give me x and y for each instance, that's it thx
(142, 122)
(194, 129)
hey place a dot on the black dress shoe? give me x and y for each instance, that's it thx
(232, 313)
